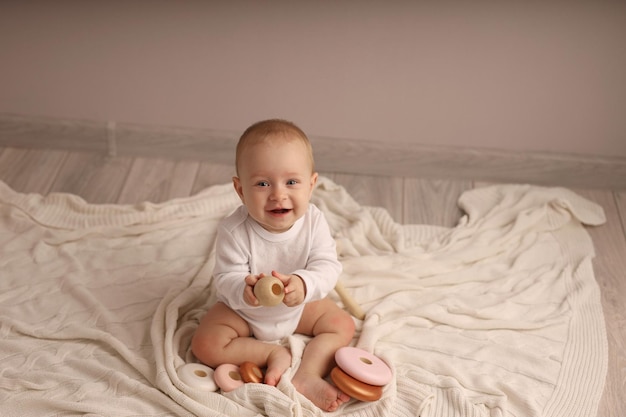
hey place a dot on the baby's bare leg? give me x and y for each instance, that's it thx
(224, 337)
(332, 328)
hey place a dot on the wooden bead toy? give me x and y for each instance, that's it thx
(360, 374)
(269, 290)
(251, 373)
(228, 377)
(198, 376)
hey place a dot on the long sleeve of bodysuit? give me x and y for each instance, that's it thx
(243, 247)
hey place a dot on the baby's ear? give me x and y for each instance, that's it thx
(314, 177)
(238, 188)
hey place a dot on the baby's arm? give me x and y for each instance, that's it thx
(231, 271)
(322, 271)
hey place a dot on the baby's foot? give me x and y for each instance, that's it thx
(277, 363)
(319, 392)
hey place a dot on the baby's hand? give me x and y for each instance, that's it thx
(248, 292)
(295, 290)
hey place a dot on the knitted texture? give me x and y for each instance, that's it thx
(497, 316)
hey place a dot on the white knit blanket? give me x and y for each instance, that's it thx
(498, 316)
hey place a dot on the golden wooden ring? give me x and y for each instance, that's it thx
(355, 388)
(251, 373)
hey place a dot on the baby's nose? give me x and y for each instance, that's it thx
(278, 194)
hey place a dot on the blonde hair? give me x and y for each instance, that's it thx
(260, 131)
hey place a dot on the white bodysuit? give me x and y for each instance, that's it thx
(243, 247)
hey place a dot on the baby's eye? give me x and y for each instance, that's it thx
(263, 184)
(292, 182)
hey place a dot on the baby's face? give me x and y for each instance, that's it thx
(275, 182)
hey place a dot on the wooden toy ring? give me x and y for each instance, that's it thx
(251, 373)
(354, 388)
(198, 376)
(363, 366)
(227, 377)
(269, 290)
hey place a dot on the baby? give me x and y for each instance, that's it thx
(276, 230)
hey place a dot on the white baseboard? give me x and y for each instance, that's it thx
(331, 154)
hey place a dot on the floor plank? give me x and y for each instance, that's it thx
(368, 190)
(30, 170)
(212, 174)
(609, 266)
(620, 199)
(158, 180)
(93, 176)
(433, 202)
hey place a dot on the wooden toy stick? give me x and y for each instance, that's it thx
(351, 305)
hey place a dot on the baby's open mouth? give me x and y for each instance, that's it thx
(280, 211)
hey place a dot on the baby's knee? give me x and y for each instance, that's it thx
(345, 326)
(208, 347)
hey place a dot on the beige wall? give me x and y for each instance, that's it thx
(530, 76)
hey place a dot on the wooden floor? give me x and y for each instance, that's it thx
(127, 180)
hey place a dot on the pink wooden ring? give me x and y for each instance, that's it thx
(227, 377)
(364, 366)
(251, 373)
(355, 388)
